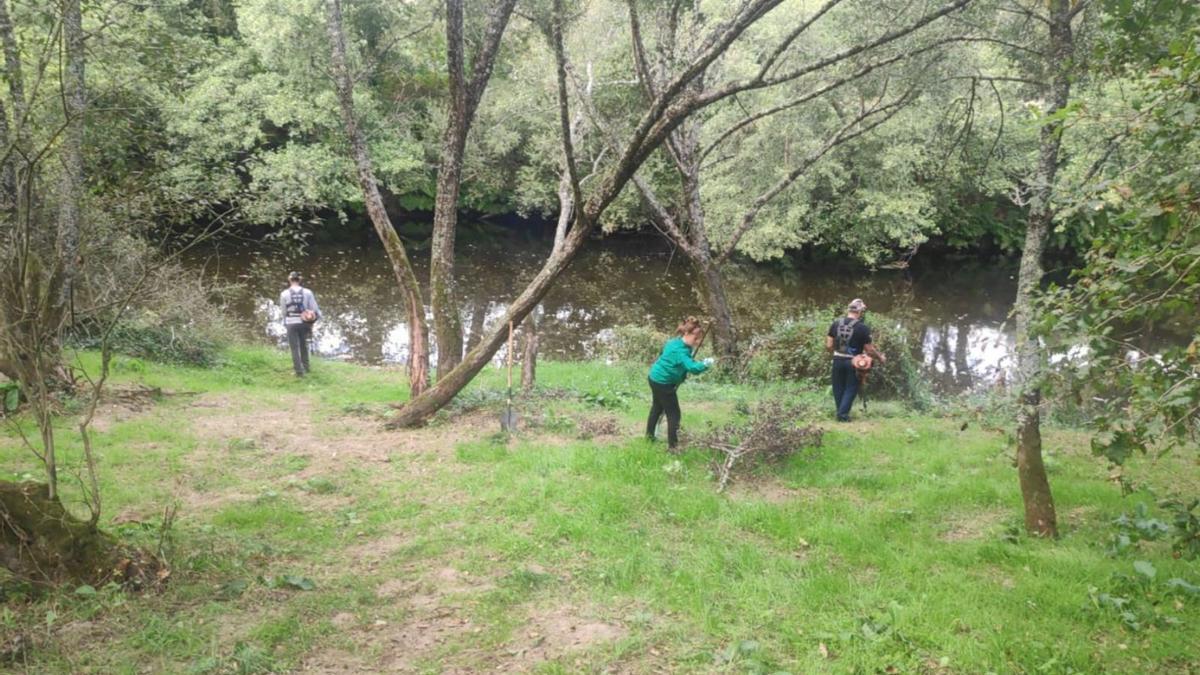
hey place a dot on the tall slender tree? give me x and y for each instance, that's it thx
(74, 106)
(406, 278)
(1058, 52)
(466, 91)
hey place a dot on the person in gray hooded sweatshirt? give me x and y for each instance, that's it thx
(300, 312)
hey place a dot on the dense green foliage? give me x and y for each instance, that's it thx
(1132, 305)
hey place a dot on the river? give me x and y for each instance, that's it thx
(959, 308)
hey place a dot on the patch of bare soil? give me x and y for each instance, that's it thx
(120, 404)
(287, 427)
(554, 633)
(1079, 515)
(260, 439)
(434, 620)
(371, 552)
(972, 525)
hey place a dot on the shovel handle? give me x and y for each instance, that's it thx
(510, 350)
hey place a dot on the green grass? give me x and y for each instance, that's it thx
(895, 546)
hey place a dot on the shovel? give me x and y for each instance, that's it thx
(508, 418)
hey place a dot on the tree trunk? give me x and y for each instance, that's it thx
(478, 316)
(40, 542)
(13, 75)
(529, 358)
(725, 342)
(418, 364)
(460, 113)
(419, 409)
(70, 209)
(1040, 517)
(566, 208)
(8, 174)
(723, 331)
(443, 299)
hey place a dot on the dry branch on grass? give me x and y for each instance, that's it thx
(770, 436)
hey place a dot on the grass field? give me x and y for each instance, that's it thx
(308, 538)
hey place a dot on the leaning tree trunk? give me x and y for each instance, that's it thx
(1040, 517)
(419, 409)
(659, 120)
(410, 288)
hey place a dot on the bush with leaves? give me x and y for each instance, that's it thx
(795, 349)
(1140, 600)
(631, 343)
(1141, 274)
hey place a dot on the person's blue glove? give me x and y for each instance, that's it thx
(709, 361)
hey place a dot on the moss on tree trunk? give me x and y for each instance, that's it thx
(41, 542)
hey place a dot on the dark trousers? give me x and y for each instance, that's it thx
(845, 387)
(298, 335)
(665, 400)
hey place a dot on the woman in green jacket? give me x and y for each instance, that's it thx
(668, 372)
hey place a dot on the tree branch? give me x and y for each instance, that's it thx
(564, 104)
(843, 135)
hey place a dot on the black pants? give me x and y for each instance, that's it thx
(665, 400)
(845, 387)
(298, 335)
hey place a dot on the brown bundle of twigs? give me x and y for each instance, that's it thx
(769, 436)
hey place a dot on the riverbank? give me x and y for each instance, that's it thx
(309, 538)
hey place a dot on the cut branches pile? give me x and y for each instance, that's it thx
(769, 436)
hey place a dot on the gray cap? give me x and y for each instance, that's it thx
(294, 276)
(857, 305)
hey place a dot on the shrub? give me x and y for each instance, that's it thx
(795, 349)
(178, 344)
(631, 343)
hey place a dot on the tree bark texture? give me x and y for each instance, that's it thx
(418, 363)
(74, 98)
(1040, 517)
(465, 96)
(529, 358)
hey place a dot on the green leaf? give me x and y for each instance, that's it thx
(1144, 568)
(12, 399)
(298, 583)
(1177, 584)
(85, 591)
(233, 588)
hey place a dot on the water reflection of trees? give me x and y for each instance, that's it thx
(954, 315)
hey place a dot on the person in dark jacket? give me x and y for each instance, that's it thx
(668, 372)
(848, 337)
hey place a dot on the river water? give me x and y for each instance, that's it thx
(958, 309)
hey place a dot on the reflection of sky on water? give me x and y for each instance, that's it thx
(959, 356)
(955, 315)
